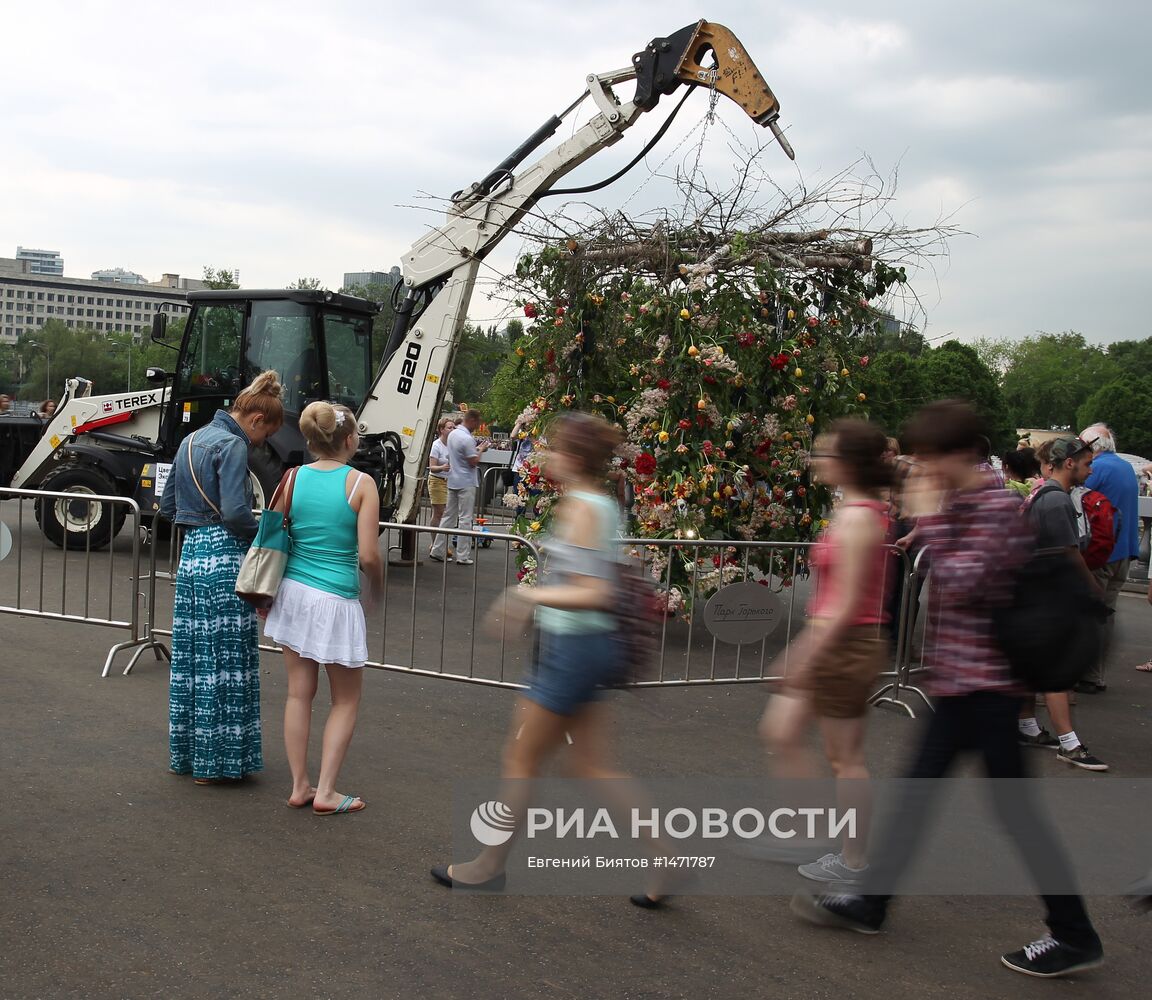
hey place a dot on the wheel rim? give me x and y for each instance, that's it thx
(78, 517)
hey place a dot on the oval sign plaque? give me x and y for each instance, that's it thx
(742, 612)
(5, 540)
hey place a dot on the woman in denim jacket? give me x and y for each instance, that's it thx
(214, 694)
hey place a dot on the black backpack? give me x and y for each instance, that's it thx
(1050, 631)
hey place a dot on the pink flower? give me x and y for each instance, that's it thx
(788, 403)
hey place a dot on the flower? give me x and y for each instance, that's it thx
(644, 464)
(693, 350)
(799, 373)
(684, 425)
(813, 321)
(663, 436)
(685, 314)
(860, 397)
(843, 372)
(534, 526)
(809, 419)
(788, 403)
(706, 447)
(791, 314)
(664, 384)
(530, 310)
(779, 362)
(746, 339)
(864, 361)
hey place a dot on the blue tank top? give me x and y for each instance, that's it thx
(325, 552)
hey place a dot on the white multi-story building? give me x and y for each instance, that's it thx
(118, 274)
(41, 261)
(29, 300)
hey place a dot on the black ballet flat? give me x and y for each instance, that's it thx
(494, 884)
(646, 902)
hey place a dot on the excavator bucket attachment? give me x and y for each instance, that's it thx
(668, 62)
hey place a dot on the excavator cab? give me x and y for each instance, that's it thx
(318, 342)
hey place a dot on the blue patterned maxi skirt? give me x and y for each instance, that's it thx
(214, 695)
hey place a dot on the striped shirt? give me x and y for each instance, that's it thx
(975, 544)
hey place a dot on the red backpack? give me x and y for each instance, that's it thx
(1099, 524)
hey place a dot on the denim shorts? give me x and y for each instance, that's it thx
(571, 669)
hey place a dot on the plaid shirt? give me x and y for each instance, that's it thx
(975, 544)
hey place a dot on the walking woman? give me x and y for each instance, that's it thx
(317, 616)
(438, 466)
(836, 660)
(214, 695)
(578, 652)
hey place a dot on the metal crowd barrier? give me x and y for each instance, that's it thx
(434, 620)
(39, 580)
(445, 620)
(911, 623)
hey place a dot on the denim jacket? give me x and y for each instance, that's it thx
(220, 456)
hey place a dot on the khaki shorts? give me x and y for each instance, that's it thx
(438, 490)
(840, 681)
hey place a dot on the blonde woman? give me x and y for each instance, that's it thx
(438, 466)
(317, 616)
(214, 694)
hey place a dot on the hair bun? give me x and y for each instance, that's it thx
(266, 384)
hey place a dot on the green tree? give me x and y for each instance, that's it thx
(307, 284)
(478, 359)
(1125, 405)
(955, 371)
(896, 385)
(221, 277)
(1049, 377)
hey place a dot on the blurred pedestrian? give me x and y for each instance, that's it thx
(438, 466)
(833, 664)
(973, 531)
(317, 615)
(578, 651)
(5, 404)
(214, 695)
(1117, 480)
(463, 479)
(47, 409)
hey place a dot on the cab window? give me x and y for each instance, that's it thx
(281, 337)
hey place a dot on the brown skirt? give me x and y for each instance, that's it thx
(438, 490)
(840, 680)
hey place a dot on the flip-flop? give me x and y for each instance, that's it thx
(351, 804)
(1145, 668)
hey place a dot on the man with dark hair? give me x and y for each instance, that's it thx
(972, 529)
(1066, 461)
(1116, 479)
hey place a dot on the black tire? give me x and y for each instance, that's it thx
(79, 524)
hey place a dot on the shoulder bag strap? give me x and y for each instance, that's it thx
(192, 469)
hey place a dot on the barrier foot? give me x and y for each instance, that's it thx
(162, 653)
(130, 644)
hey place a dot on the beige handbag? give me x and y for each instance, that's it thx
(263, 567)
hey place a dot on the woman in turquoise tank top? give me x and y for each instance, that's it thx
(578, 652)
(317, 616)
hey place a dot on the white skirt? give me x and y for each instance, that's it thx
(318, 625)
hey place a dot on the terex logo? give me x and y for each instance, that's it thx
(408, 368)
(132, 402)
(108, 406)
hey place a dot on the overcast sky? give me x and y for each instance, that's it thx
(286, 139)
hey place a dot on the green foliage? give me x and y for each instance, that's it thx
(307, 284)
(221, 277)
(478, 359)
(383, 321)
(955, 371)
(1049, 377)
(1125, 405)
(896, 384)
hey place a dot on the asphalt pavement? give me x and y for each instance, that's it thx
(119, 880)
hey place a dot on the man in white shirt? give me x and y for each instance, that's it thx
(463, 479)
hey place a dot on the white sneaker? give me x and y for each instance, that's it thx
(831, 868)
(464, 562)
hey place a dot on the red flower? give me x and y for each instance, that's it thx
(684, 425)
(530, 310)
(747, 339)
(645, 464)
(813, 321)
(706, 447)
(664, 384)
(559, 310)
(864, 361)
(778, 362)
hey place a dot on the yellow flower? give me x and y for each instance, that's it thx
(787, 435)
(663, 435)
(861, 397)
(685, 314)
(534, 526)
(843, 372)
(823, 522)
(728, 491)
(611, 399)
(717, 511)
(693, 350)
(791, 314)
(716, 495)
(799, 373)
(519, 352)
(810, 419)
(719, 349)
(701, 404)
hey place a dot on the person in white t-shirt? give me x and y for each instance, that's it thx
(438, 466)
(463, 479)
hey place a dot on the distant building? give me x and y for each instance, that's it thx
(120, 276)
(28, 300)
(41, 261)
(362, 279)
